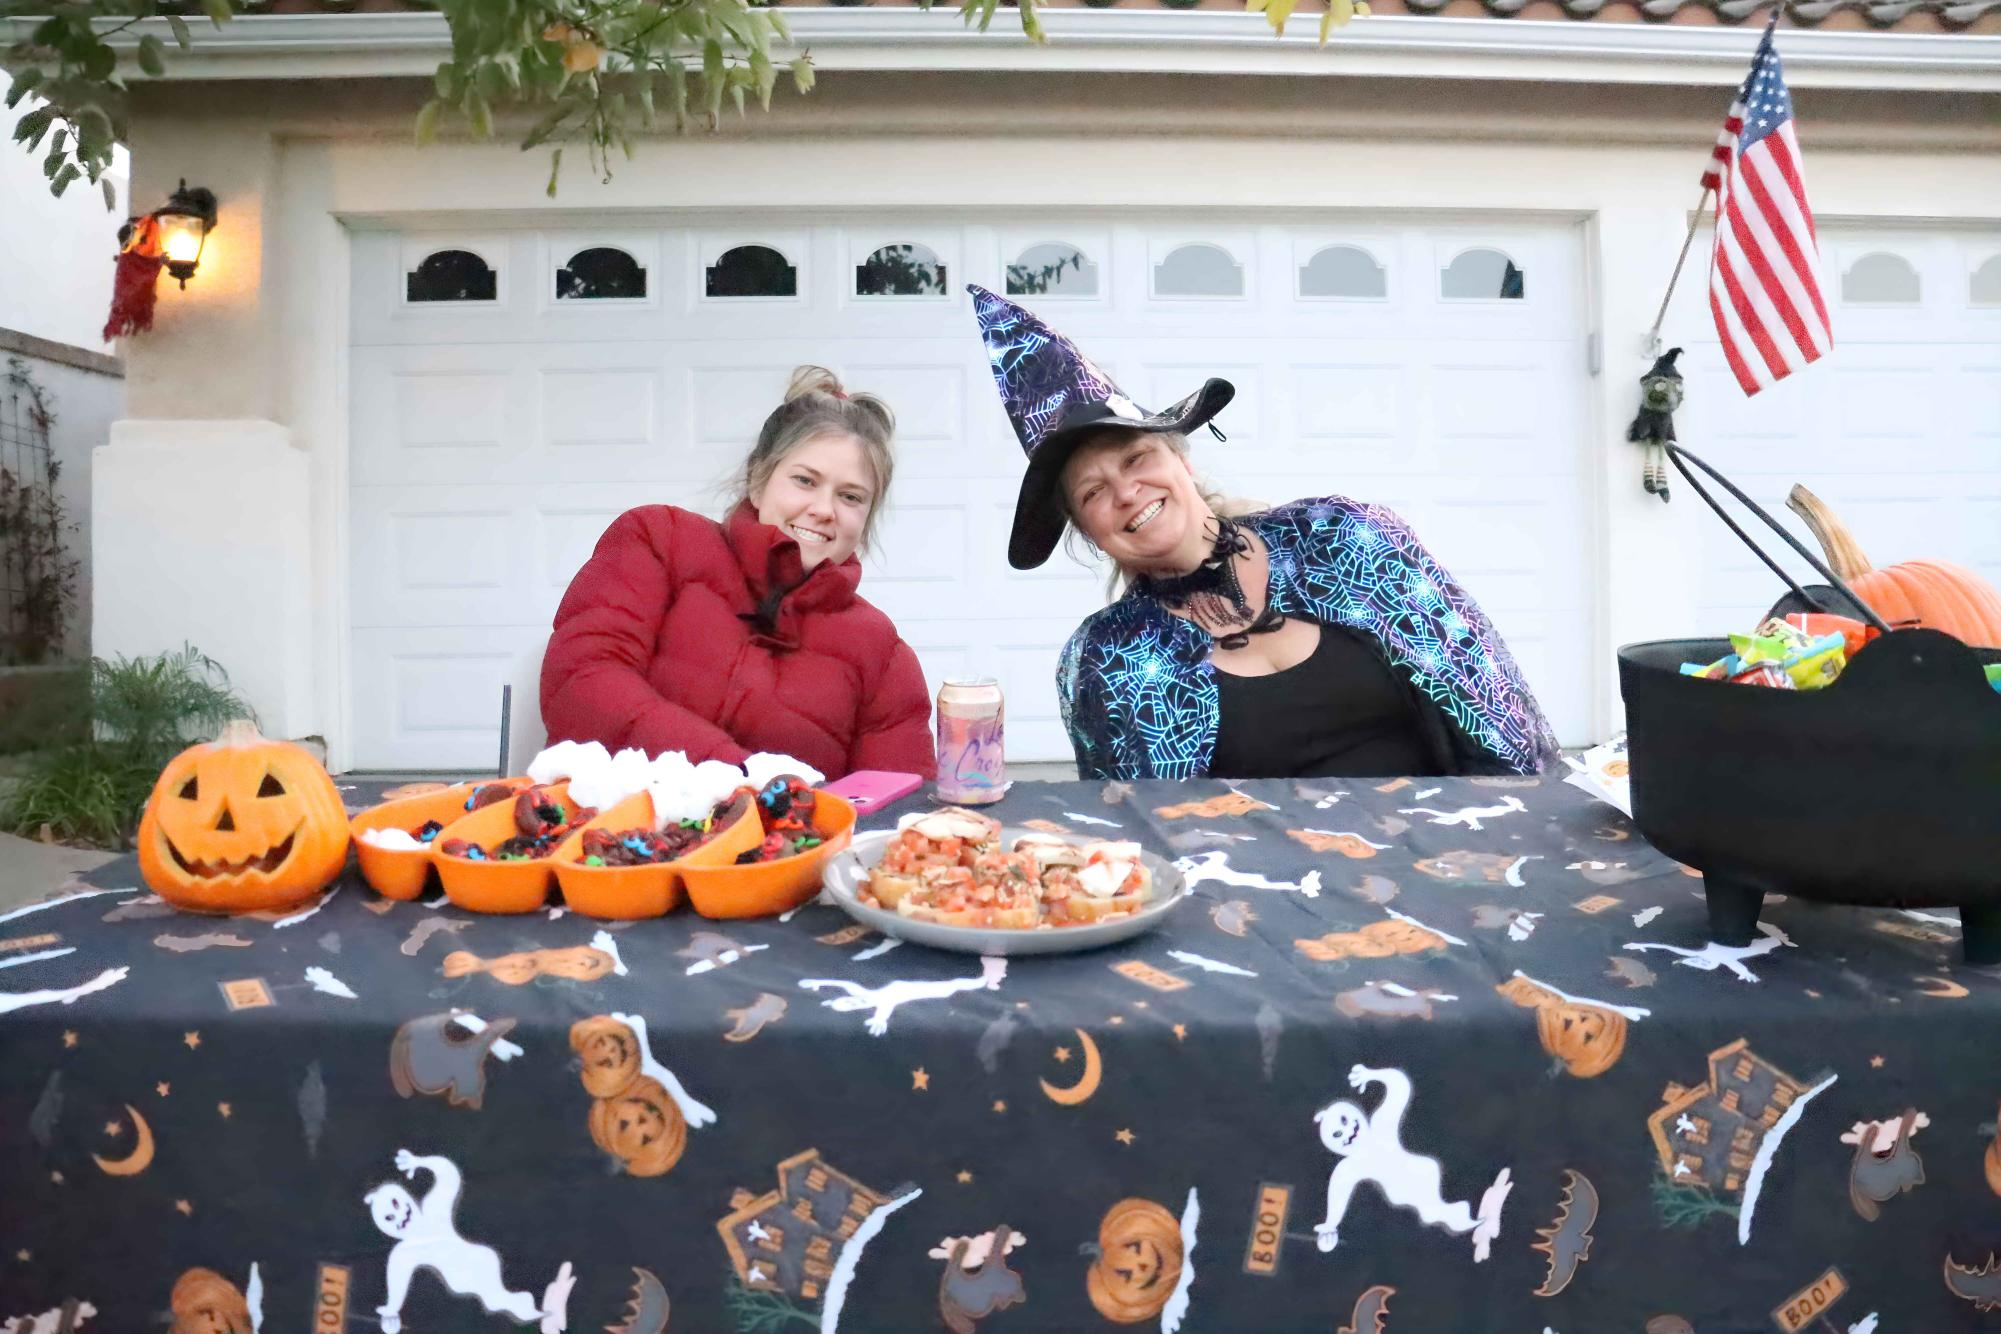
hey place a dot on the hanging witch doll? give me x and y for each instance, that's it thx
(1660, 395)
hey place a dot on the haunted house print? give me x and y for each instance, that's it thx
(1708, 1135)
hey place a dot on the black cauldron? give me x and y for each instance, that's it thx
(1881, 789)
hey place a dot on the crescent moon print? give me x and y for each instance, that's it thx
(647, 1310)
(1087, 1084)
(1942, 987)
(141, 1157)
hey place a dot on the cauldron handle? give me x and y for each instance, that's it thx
(1682, 458)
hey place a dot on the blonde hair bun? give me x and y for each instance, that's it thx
(814, 380)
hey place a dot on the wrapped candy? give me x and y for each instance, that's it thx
(1994, 675)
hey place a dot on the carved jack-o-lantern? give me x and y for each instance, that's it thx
(1138, 1264)
(241, 824)
(1377, 940)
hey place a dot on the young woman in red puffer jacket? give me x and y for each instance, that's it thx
(724, 639)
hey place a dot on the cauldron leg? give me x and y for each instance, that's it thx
(1980, 934)
(1734, 905)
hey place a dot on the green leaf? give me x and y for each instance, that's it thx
(480, 114)
(547, 126)
(99, 61)
(63, 179)
(94, 130)
(1031, 23)
(1277, 12)
(180, 27)
(426, 128)
(110, 194)
(1337, 15)
(29, 128)
(446, 80)
(555, 170)
(25, 80)
(152, 56)
(802, 74)
(219, 11)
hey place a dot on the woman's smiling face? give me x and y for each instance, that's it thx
(820, 496)
(1135, 498)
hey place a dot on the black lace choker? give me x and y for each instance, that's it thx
(1213, 596)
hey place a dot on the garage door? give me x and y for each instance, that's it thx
(1898, 428)
(514, 391)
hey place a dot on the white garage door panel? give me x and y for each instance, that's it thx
(493, 441)
(1898, 428)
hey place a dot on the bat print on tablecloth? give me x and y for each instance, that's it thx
(140, 909)
(1376, 889)
(1471, 818)
(647, 1310)
(883, 1001)
(420, 934)
(1885, 1165)
(446, 1054)
(1371, 1151)
(977, 1281)
(427, 1236)
(1193, 840)
(1234, 917)
(1586, 1036)
(1632, 972)
(1214, 867)
(1372, 1311)
(1471, 869)
(206, 940)
(1566, 1242)
(1980, 1284)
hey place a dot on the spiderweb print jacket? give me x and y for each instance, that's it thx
(1140, 700)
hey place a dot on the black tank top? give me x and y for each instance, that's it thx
(1342, 712)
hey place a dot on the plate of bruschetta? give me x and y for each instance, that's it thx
(959, 880)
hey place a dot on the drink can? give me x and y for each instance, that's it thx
(972, 765)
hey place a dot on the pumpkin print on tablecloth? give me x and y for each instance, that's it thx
(1377, 940)
(633, 1117)
(242, 824)
(1587, 1038)
(1138, 1264)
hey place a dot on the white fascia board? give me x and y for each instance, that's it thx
(1177, 42)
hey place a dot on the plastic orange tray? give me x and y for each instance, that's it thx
(763, 889)
(623, 893)
(495, 886)
(402, 873)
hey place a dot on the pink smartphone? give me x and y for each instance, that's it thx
(870, 788)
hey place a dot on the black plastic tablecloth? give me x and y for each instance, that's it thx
(1415, 1057)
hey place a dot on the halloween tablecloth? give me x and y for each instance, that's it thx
(1417, 1057)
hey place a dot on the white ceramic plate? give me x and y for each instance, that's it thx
(848, 873)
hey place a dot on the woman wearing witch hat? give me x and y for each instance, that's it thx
(1318, 638)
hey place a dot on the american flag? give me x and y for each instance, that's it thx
(1764, 274)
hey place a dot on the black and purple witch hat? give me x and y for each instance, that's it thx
(1056, 398)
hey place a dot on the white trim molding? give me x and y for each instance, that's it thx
(370, 45)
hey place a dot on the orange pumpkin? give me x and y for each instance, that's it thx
(1138, 1264)
(204, 1302)
(241, 824)
(1993, 1160)
(1932, 593)
(1589, 1039)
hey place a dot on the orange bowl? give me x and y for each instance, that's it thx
(498, 887)
(623, 893)
(764, 889)
(402, 873)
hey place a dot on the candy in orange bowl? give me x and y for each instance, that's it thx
(766, 888)
(647, 889)
(242, 824)
(400, 867)
(498, 859)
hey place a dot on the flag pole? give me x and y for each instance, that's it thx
(1660, 316)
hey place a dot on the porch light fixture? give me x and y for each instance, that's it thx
(184, 223)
